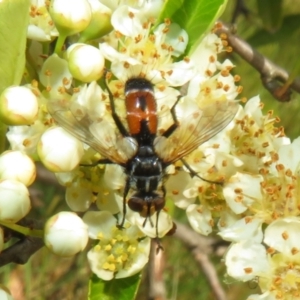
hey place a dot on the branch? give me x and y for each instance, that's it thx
(274, 78)
(21, 251)
(200, 246)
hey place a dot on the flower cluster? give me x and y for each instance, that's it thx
(247, 187)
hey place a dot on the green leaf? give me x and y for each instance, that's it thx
(270, 12)
(195, 16)
(14, 16)
(125, 288)
(290, 24)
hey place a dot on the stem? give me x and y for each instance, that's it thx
(24, 230)
(59, 44)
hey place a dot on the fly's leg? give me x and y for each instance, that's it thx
(103, 161)
(126, 190)
(194, 173)
(115, 116)
(172, 128)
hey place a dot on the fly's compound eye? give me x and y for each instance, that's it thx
(146, 205)
(136, 204)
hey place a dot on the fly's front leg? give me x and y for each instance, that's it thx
(115, 116)
(172, 128)
(103, 161)
(126, 190)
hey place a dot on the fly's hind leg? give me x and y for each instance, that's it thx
(172, 128)
(114, 114)
(194, 173)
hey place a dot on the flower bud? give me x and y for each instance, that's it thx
(66, 234)
(4, 293)
(1, 243)
(18, 166)
(100, 23)
(86, 63)
(18, 106)
(70, 17)
(59, 151)
(14, 200)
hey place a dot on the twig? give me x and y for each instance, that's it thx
(200, 247)
(274, 78)
(22, 250)
(156, 285)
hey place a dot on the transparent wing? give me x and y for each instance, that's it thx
(99, 134)
(194, 129)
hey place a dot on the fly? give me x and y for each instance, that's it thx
(140, 150)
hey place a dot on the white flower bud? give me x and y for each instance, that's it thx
(14, 200)
(100, 23)
(70, 17)
(59, 151)
(66, 234)
(18, 166)
(1, 243)
(5, 294)
(86, 63)
(18, 106)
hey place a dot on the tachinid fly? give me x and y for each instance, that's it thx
(138, 148)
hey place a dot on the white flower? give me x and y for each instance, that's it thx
(18, 166)
(283, 235)
(14, 200)
(55, 76)
(25, 138)
(200, 218)
(41, 27)
(119, 253)
(241, 191)
(151, 226)
(246, 260)
(18, 106)
(245, 229)
(59, 151)
(65, 234)
(86, 62)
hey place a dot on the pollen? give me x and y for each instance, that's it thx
(237, 78)
(229, 49)
(239, 89)
(294, 250)
(285, 235)
(225, 73)
(34, 83)
(108, 248)
(226, 87)
(187, 59)
(208, 73)
(131, 15)
(181, 39)
(167, 21)
(175, 192)
(248, 270)
(224, 43)
(212, 59)
(48, 73)
(224, 163)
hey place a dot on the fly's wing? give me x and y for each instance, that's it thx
(194, 129)
(98, 134)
